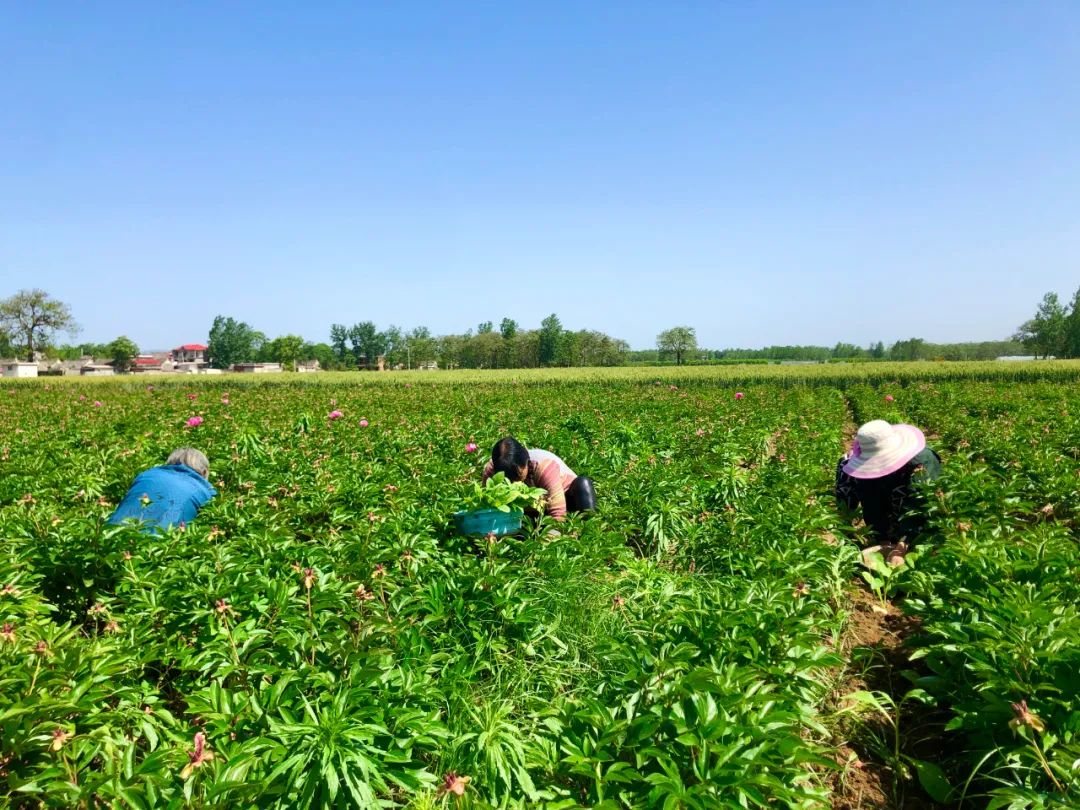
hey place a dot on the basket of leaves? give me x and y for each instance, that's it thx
(496, 507)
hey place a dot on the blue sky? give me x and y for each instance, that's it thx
(766, 172)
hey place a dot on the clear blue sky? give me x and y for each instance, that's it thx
(766, 172)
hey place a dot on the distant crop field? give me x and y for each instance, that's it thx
(695, 643)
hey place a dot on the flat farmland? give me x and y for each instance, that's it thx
(706, 639)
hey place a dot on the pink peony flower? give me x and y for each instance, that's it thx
(699, 432)
(225, 400)
(739, 395)
(192, 397)
(890, 398)
(470, 447)
(97, 404)
(363, 423)
(335, 415)
(194, 421)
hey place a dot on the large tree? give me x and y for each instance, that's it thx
(1072, 328)
(286, 349)
(31, 317)
(1045, 334)
(420, 346)
(232, 341)
(123, 352)
(339, 342)
(550, 331)
(677, 341)
(367, 342)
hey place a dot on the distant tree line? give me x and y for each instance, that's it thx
(488, 346)
(1054, 331)
(910, 349)
(30, 318)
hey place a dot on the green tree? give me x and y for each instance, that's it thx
(394, 346)
(287, 350)
(339, 340)
(322, 352)
(232, 341)
(486, 349)
(123, 352)
(1072, 328)
(421, 346)
(485, 328)
(508, 328)
(677, 341)
(1046, 333)
(31, 317)
(368, 343)
(551, 330)
(910, 349)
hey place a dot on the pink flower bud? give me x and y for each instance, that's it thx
(739, 395)
(363, 423)
(335, 415)
(194, 421)
(889, 398)
(470, 448)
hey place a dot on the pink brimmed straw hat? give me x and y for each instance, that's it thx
(881, 448)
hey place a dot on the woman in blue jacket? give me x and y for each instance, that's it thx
(163, 497)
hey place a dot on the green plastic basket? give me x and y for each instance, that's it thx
(481, 522)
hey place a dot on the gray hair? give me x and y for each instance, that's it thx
(191, 457)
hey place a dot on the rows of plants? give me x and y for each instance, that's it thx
(321, 636)
(997, 586)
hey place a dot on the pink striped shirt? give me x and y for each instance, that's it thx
(546, 471)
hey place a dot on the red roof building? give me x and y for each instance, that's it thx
(189, 353)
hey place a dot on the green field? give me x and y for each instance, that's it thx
(705, 640)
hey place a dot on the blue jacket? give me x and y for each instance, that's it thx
(176, 493)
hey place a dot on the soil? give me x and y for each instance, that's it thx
(875, 638)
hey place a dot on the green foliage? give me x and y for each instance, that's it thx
(123, 352)
(498, 493)
(677, 341)
(30, 317)
(331, 643)
(232, 341)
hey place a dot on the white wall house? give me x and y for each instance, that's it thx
(18, 368)
(257, 368)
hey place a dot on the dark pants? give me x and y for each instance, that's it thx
(580, 496)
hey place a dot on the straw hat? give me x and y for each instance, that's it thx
(881, 448)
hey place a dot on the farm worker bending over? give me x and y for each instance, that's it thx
(885, 460)
(567, 491)
(162, 497)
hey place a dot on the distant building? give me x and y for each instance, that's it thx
(189, 353)
(97, 370)
(146, 362)
(1018, 357)
(308, 367)
(257, 368)
(19, 368)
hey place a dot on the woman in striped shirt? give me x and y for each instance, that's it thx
(567, 491)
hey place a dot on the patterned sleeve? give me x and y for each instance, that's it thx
(548, 476)
(845, 487)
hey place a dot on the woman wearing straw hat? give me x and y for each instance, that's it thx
(878, 473)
